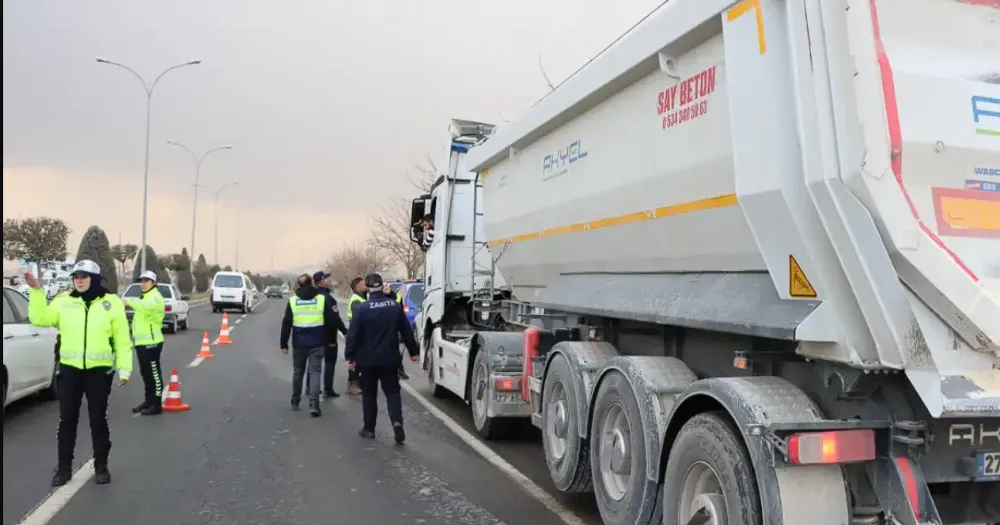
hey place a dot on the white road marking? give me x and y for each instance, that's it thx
(59, 498)
(238, 320)
(197, 361)
(538, 493)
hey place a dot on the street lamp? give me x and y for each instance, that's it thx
(197, 175)
(149, 105)
(216, 213)
(239, 213)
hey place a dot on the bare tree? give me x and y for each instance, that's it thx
(356, 260)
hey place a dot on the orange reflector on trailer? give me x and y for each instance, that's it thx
(840, 446)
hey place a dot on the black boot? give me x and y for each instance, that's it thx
(102, 476)
(314, 409)
(295, 404)
(140, 407)
(366, 434)
(152, 410)
(61, 476)
(330, 394)
(398, 433)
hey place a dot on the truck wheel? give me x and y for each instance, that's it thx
(709, 475)
(618, 455)
(436, 390)
(479, 398)
(566, 453)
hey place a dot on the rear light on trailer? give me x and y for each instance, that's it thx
(532, 336)
(840, 446)
(506, 384)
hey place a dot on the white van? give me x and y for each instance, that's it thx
(232, 290)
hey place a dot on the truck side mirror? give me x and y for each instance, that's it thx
(417, 207)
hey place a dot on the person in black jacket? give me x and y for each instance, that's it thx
(373, 346)
(309, 322)
(322, 280)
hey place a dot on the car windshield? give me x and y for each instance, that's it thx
(395, 286)
(415, 294)
(228, 281)
(134, 290)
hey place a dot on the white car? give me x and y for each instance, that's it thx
(232, 290)
(175, 306)
(29, 359)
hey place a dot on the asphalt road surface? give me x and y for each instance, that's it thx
(241, 457)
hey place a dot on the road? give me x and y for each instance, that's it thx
(240, 456)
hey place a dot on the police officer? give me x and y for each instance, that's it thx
(398, 297)
(309, 322)
(94, 340)
(373, 346)
(147, 332)
(322, 280)
(359, 294)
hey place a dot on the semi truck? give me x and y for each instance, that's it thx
(740, 268)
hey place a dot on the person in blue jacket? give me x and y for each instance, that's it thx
(373, 347)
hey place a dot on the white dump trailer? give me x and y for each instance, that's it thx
(741, 268)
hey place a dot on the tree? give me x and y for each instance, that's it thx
(95, 246)
(124, 253)
(227, 268)
(201, 274)
(185, 281)
(356, 260)
(152, 264)
(35, 239)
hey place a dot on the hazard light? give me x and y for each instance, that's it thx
(506, 384)
(840, 446)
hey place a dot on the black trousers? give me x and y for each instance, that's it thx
(152, 374)
(306, 361)
(329, 366)
(73, 385)
(371, 378)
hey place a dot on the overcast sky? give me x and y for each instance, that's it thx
(327, 105)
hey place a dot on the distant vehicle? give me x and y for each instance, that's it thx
(285, 290)
(232, 291)
(28, 352)
(273, 291)
(413, 298)
(175, 304)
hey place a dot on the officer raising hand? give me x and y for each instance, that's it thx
(94, 340)
(373, 345)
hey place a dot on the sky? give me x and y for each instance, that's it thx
(329, 107)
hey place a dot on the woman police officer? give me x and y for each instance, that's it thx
(94, 341)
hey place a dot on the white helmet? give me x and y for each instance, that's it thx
(148, 276)
(86, 266)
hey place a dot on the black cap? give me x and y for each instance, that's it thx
(373, 280)
(319, 276)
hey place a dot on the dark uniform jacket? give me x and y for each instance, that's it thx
(373, 337)
(311, 337)
(338, 322)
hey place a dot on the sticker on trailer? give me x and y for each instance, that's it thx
(982, 185)
(798, 283)
(986, 115)
(967, 213)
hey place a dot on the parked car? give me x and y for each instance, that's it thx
(28, 352)
(413, 300)
(273, 291)
(175, 306)
(232, 291)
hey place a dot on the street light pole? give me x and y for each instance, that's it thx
(216, 213)
(197, 176)
(239, 218)
(149, 107)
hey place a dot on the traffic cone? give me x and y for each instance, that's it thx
(223, 338)
(173, 402)
(206, 350)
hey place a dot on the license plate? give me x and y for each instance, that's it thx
(228, 297)
(989, 466)
(507, 397)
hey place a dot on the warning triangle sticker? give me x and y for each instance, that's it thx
(798, 283)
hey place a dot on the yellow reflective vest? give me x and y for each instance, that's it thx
(355, 299)
(307, 313)
(147, 320)
(91, 337)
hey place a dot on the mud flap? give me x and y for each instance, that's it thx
(902, 490)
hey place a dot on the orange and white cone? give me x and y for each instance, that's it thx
(206, 350)
(173, 402)
(223, 338)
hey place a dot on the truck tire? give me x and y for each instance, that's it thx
(566, 453)
(479, 389)
(618, 457)
(709, 471)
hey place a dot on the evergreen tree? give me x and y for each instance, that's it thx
(185, 281)
(201, 274)
(95, 246)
